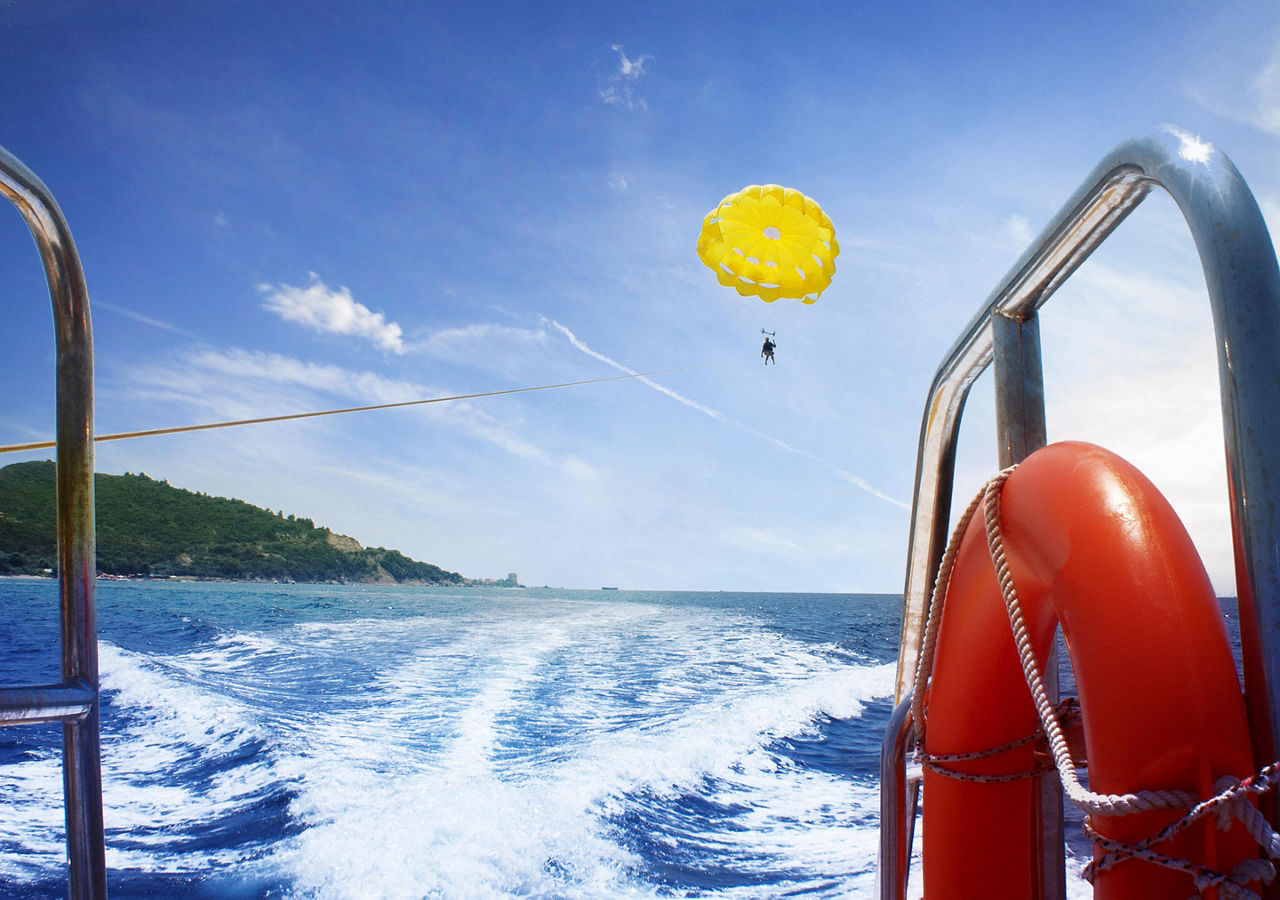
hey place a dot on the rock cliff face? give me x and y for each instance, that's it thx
(344, 543)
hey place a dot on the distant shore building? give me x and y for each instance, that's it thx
(510, 581)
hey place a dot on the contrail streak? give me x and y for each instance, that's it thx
(855, 480)
(573, 339)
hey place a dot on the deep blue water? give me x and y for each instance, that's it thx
(369, 741)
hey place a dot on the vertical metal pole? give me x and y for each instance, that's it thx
(1019, 376)
(898, 799)
(1020, 427)
(81, 761)
(81, 766)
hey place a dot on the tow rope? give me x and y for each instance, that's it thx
(154, 432)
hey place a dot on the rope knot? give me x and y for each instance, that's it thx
(1232, 884)
(1253, 870)
(1230, 808)
(1234, 801)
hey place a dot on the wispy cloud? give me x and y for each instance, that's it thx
(849, 477)
(236, 384)
(804, 542)
(1017, 229)
(1268, 87)
(240, 384)
(277, 369)
(139, 317)
(1255, 101)
(329, 311)
(618, 89)
(479, 344)
(762, 540)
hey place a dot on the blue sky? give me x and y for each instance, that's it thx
(285, 207)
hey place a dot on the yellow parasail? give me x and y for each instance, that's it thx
(769, 241)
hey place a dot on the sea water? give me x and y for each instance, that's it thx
(377, 741)
(381, 741)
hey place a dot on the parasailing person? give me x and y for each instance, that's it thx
(769, 345)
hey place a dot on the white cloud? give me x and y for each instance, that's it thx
(1268, 86)
(630, 68)
(617, 90)
(322, 309)
(1018, 229)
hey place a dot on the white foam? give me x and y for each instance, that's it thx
(462, 802)
(148, 796)
(31, 817)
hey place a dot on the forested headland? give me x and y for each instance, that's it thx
(150, 528)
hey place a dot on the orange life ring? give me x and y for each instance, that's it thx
(1093, 545)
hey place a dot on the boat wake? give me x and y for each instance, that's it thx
(558, 748)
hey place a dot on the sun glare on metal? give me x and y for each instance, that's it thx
(1191, 147)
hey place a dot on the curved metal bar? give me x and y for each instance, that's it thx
(1111, 193)
(81, 763)
(1243, 283)
(1244, 291)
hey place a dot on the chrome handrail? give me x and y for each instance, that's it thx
(899, 793)
(1243, 282)
(74, 701)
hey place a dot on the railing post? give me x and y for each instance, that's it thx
(1020, 431)
(899, 795)
(1019, 376)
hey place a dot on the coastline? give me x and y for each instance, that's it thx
(170, 579)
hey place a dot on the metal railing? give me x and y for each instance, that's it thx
(1243, 281)
(74, 700)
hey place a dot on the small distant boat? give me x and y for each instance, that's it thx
(608, 588)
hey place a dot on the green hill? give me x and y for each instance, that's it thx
(149, 527)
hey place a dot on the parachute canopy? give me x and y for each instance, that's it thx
(769, 241)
